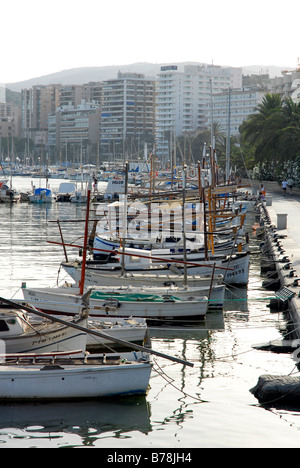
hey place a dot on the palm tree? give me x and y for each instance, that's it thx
(290, 134)
(262, 129)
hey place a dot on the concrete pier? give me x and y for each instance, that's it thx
(282, 234)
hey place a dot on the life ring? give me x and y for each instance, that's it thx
(151, 174)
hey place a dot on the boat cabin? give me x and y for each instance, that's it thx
(114, 188)
(12, 323)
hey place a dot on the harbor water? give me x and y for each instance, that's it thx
(206, 406)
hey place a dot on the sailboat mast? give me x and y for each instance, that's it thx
(228, 138)
(184, 223)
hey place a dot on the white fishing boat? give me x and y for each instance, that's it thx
(214, 292)
(234, 268)
(173, 243)
(34, 377)
(172, 277)
(49, 298)
(20, 334)
(133, 330)
(68, 301)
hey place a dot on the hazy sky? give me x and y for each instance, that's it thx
(38, 38)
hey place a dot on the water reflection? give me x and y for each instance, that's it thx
(116, 416)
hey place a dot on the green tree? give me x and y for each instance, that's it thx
(290, 133)
(263, 128)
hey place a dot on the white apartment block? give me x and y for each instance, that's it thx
(182, 99)
(233, 106)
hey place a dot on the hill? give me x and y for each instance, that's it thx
(86, 74)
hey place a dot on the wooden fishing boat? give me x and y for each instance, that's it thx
(173, 244)
(132, 330)
(171, 277)
(234, 268)
(20, 334)
(37, 377)
(214, 292)
(57, 377)
(50, 298)
(67, 301)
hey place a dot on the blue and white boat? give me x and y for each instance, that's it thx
(41, 195)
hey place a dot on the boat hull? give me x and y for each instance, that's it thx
(73, 382)
(67, 302)
(98, 278)
(56, 340)
(235, 270)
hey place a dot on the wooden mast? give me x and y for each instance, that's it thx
(85, 246)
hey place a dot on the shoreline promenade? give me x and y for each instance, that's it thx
(284, 216)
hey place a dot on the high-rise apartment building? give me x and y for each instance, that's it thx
(183, 95)
(70, 95)
(72, 128)
(128, 114)
(36, 104)
(92, 92)
(10, 120)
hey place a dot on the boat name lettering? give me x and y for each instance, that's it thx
(236, 272)
(43, 340)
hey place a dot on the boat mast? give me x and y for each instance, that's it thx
(81, 283)
(228, 138)
(184, 224)
(125, 218)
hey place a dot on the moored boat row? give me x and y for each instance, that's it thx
(122, 290)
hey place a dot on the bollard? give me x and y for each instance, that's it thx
(268, 201)
(281, 221)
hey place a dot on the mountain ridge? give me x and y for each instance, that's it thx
(83, 75)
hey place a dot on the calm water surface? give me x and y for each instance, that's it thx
(208, 405)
